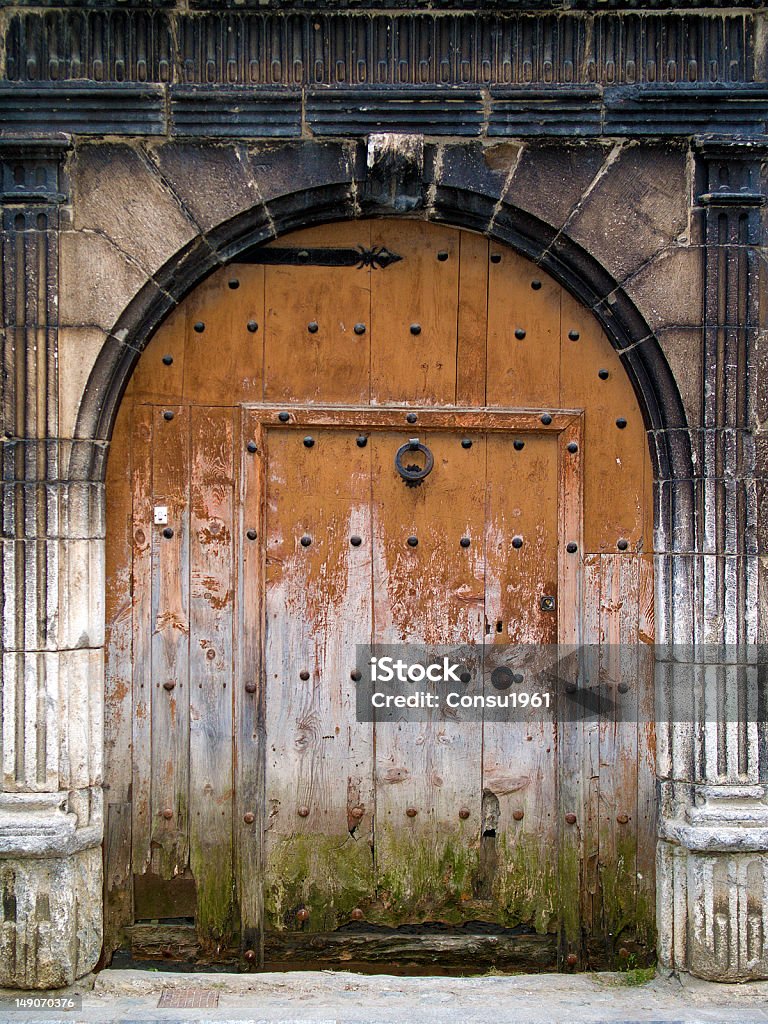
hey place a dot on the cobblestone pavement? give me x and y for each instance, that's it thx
(324, 997)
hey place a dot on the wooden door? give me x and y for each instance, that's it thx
(259, 533)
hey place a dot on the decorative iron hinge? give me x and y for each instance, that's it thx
(378, 257)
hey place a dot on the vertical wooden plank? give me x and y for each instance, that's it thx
(319, 759)
(428, 595)
(646, 760)
(170, 643)
(250, 817)
(523, 333)
(570, 803)
(211, 598)
(312, 352)
(118, 703)
(141, 586)
(472, 319)
(618, 748)
(615, 456)
(591, 900)
(520, 756)
(224, 361)
(418, 294)
(155, 379)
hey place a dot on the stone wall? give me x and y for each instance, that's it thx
(663, 238)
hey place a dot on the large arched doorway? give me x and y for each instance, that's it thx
(258, 531)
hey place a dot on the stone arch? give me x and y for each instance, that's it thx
(567, 262)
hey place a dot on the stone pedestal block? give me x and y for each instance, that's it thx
(50, 933)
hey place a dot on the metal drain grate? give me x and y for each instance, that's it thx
(188, 999)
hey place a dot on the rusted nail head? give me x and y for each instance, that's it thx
(357, 812)
(169, 684)
(622, 819)
(302, 915)
(518, 815)
(357, 914)
(249, 818)
(167, 813)
(303, 811)
(570, 818)
(411, 812)
(464, 813)
(571, 959)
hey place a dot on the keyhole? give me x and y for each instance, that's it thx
(499, 626)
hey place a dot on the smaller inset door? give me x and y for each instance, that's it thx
(394, 821)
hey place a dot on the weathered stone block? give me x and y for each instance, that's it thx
(81, 593)
(277, 169)
(668, 291)
(638, 206)
(97, 281)
(50, 919)
(214, 182)
(727, 915)
(550, 180)
(58, 696)
(78, 349)
(80, 686)
(30, 595)
(118, 193)
(683, 349)
(472, 167)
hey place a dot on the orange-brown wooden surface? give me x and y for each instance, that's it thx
(215, 769)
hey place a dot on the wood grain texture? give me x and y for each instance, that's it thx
(249, 731)
(242, 741)
(428, 596)
(617, 463)
(170, 644)
(472, 320)
(224, 363)
(421, 292)
(211, 616)
(118, 696)
(317, 609)
(142, 429)
(312, 353)
(523, 371)
(520, 757)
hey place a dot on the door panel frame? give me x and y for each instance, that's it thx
(249, 735)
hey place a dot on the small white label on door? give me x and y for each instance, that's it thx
(161, 515)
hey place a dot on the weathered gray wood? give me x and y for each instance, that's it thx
(317, 605)
(396, 951)
(520, 757)
(426, 596)
(211, 601)
(249, 814)
(170, 644)
(118, 702)
(570, 801)
(118, 892)
(141, 488)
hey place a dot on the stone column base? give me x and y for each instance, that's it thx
(712, 886)
(50, 893)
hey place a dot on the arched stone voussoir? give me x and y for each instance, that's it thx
(569, 263)
(119, 193)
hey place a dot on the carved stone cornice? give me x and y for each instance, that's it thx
(317, 45)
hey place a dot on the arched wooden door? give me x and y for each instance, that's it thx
(258, 531)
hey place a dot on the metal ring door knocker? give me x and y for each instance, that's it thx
(413, 475)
